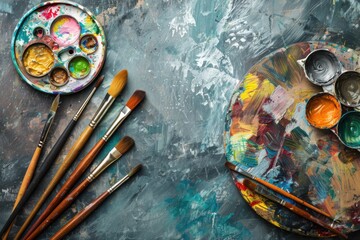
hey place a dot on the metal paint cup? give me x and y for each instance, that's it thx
(321, 67)
(323, 111)
(347, 88)
(348, 129)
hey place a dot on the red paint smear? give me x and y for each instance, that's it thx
(240, 186)
(253, 203)
(50, 12)
(355, 213)
(237, 109)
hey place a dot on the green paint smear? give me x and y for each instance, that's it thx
(349, 129)
(79, 67)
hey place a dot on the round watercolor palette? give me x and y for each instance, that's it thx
(267, 134)
(58, 47)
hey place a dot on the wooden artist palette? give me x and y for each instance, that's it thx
(267, 134)
(58, 47)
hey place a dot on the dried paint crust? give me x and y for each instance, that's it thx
(61, 26)
(266, 133)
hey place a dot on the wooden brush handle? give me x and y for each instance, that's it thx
(25, 183)
(313, 219)
(70, 157)
(80, 169)
(28, 175)
(78, 218)
(290, 196)
(33, 233)
(44, 168)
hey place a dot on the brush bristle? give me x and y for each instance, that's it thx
(125, 144)
(118, 83)
(249, 184)
(135, 170)
(135, 99)
(55, 103)
(99, 81)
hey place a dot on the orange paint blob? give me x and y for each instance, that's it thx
(323, 111)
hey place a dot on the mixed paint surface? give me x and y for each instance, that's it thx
(188, 56)
(268, 135)
(61, 28)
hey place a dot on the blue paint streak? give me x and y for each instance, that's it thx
(194, 213)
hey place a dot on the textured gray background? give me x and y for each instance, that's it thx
(188, 56)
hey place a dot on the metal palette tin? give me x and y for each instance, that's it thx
(58, 47)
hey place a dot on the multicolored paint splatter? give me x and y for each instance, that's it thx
(79, 67)
(65, 30)
(61, 26)
(38, 59)
(323, 111)
(268, 135)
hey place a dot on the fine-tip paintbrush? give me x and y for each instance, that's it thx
(269, 195)
(117, 85)
(277, 189)
(34, 160)
(78, 218)
(54, 152)
(134, 100)
(119, 150)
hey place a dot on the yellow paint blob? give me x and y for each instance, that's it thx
(38, 60)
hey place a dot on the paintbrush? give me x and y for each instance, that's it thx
(269, 195)
(78, 218)
(134, 100)
(120, 149)
(117, 84)
(276, 189)
(34, 160)
(54, 152)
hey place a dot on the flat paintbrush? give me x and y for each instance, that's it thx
(117, 85)
(276, 189)
(269, 195)
(134, 100)
(119, 150)
(55, 150)
(78, 218)
(34, 160)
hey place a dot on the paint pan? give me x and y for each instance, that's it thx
(56, 44)
(88, 43)
(59, 76)
(348, 129)
(79, 67)
(347, 88)
(65, 30)
(323, 111)
(321, 67)
(38, 59)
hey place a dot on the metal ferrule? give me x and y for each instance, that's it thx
(104, 106)
(112, 156)
(245, 173)
(118, 184)
(123, 114)
(83, 106)
(46, 128)
(41, 144)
